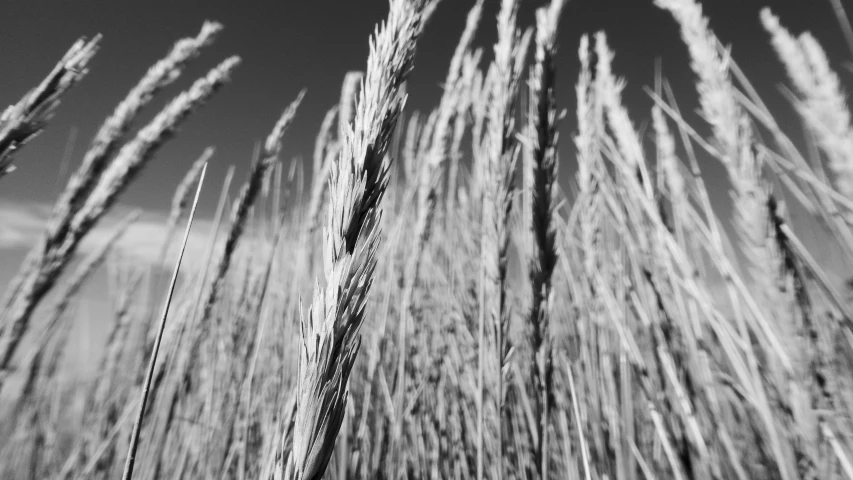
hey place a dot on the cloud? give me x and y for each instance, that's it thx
(144, 240)
(23, 223)
(20, 224)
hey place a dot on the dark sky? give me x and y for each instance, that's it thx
(287, 45)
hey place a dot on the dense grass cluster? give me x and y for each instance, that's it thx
(430, 302)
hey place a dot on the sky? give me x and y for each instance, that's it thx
(289, 45)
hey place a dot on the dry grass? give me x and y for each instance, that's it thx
(465, 324)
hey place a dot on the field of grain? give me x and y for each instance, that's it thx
(425, 297)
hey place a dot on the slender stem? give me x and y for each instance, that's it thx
(481, 375)
(843, 22)
(584, 454)
(134, 439)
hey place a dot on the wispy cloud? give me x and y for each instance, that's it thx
(22, 223)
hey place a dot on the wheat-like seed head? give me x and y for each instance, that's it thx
(824, 103)
(669, 161)
(609, 90)
(584, 139)
(357, 183)
(133, 156)
(542, 138)
(323, 143)
(119, 122)
(21, 122)
(52, 254)
(70, 288)
(435, 153)
(325, 154)
(470, 70)
(348, 102)
(753, 219)
(503, 149)
(181, 198)
(248, 195)
(715, 88)
(409, 150)
(789, 51)
(497, 161)
(732, 129)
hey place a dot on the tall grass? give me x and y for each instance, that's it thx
(463, 323)
(100, 179)
(543, 138)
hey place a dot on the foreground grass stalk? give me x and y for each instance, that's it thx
(357, 182)
(149, 375)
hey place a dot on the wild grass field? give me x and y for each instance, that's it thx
(423, 297)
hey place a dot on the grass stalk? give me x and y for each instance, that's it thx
(146, 386)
